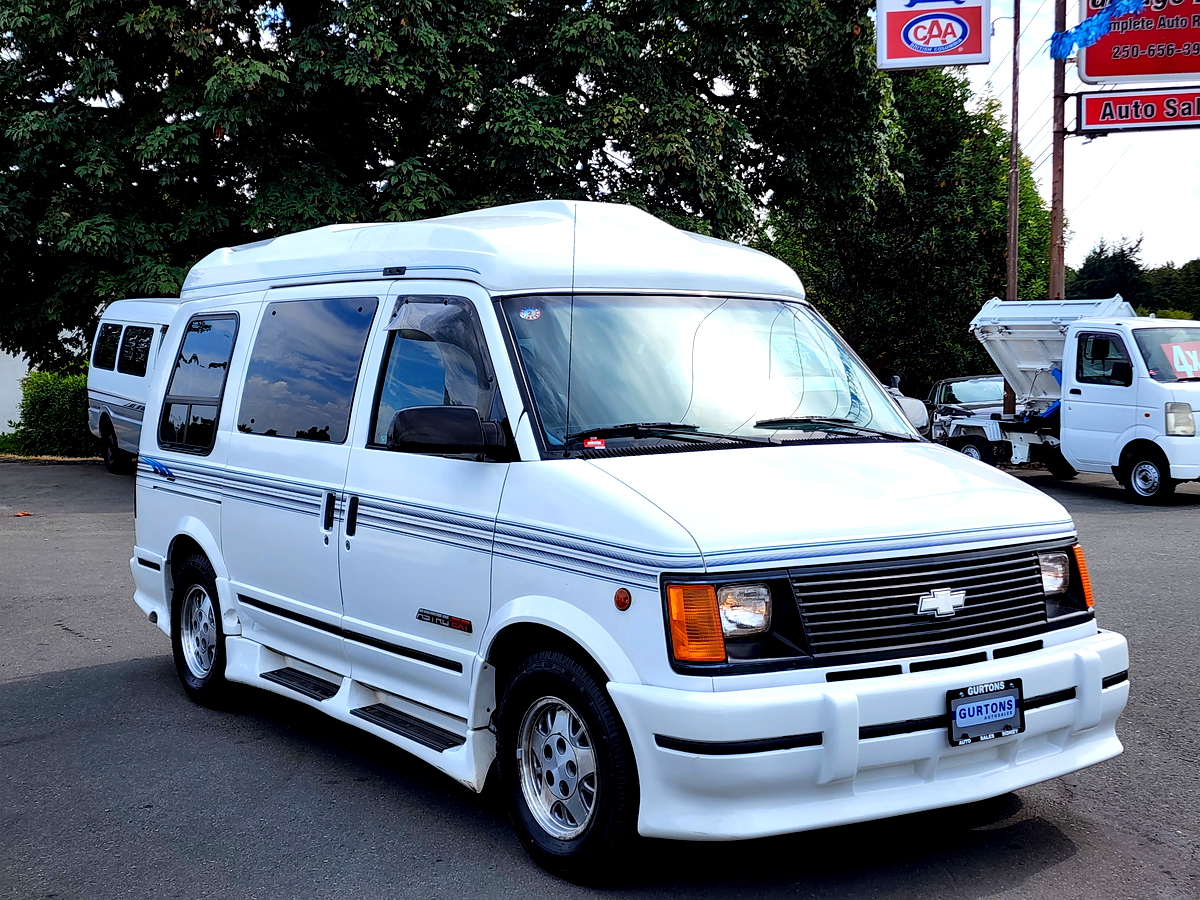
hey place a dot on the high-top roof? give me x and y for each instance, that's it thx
(550, 245)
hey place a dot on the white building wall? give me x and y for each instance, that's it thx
(12, 369)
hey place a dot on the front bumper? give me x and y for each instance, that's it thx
(846, 775)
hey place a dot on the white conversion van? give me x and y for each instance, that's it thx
(558, 492)
(124, 352)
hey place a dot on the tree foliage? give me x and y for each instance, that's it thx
(137, 135)
(903, 275)
(1116, 268)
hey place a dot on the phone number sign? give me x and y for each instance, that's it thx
(915, 34)
(1143, 110)
(1160, 44)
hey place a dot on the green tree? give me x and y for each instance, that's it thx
(902, 275)
(138, 135)
(1111, 269)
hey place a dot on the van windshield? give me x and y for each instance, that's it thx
(757, 370)
(1171, 354)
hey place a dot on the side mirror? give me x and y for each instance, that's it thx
(437, 429)
(1122, 373)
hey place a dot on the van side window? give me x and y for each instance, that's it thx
(436, 356)
(193, 401)
(1099, 360)
(107, 339)
(304, 367)
(135, 350)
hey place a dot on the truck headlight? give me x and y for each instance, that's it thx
(1180, 420)
(745, 609)
(1056, 571)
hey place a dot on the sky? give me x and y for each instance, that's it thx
(1144, 185)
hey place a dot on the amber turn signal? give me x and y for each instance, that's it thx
(1083, 576)
(695, 623)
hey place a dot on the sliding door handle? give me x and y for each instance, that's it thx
(330, 503)
(352, 517)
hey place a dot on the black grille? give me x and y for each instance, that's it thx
(870, 612)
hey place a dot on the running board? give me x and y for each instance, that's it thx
(303, 683)
(410, 727)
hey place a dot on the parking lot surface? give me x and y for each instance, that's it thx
(113, 784)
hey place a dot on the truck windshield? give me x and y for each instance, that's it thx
(1171, 353)
(649, 366)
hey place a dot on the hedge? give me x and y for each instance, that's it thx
(54, 417)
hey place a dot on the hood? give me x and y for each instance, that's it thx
(825, 502)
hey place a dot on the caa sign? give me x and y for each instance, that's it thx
(918, 33)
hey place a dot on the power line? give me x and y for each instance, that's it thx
(1008, 52)
(1103, 177)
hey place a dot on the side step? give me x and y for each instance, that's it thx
(302, 683)
(409, 726)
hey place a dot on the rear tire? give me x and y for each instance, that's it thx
(1057, 465)
(1147, 478)
(196, 638)
(976, 447)
(116, 460)
(567, 770)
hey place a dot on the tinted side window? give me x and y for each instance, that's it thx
(135, 350)
(107, 339)
(303, 369)
(436, 357)
(1095, 358)
(193, 398)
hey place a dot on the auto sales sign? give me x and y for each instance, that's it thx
(914, 34)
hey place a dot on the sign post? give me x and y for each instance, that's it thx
(916, 34)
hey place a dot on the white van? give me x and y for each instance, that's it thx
(123, 354)
(558, 488)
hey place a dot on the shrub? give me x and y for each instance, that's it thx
(54, 417)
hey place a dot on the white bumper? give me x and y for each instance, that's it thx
(847, 778)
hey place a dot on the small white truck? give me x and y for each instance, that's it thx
(1098, 389)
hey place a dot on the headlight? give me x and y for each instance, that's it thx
(1056, 571)
(745, 609)
(1180, 420)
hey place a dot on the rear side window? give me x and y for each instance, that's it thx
(193, 401)
(135, 350)
(107, 339)
(303, 370)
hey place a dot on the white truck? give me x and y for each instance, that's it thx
(1098, 389)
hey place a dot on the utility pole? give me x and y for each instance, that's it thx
(1014, 156)
(1057, 243)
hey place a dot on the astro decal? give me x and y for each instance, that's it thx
(938, 32)
(932, 35)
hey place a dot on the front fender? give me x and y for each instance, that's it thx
(1135, 432)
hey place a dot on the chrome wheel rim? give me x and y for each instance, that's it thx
(557, 762)
(972, 451)
(198, 631)
(1145, 478)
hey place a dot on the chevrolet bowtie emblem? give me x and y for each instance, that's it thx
(941, 602)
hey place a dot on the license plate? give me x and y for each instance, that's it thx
(983, 712)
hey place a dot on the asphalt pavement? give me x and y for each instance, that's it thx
(113, 784)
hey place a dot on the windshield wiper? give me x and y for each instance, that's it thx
(830, 421)
(658, 429)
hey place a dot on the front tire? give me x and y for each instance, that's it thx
(196, 639)
(1148, 478)
(567, 770)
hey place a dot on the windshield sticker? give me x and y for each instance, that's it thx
(1184, 357)
(530, 313)
(594, 443)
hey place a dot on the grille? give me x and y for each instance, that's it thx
(871, 611)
